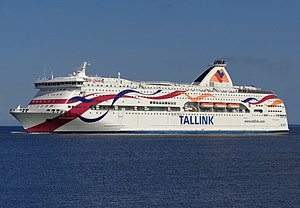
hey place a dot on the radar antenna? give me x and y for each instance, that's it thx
(84, 65)
(219, 63)
(80, 72)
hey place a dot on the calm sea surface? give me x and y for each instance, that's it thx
(227, 170)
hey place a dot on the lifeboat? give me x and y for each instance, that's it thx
(233, 105)
(190, 109)
(206, 105)
(220, 105)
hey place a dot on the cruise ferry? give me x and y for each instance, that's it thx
(211, 103)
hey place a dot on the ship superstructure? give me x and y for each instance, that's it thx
(80, 103)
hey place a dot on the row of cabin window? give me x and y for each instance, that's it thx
(55, 89)
(185, 98)
(58, 83)
(148, 87)
(175, 114)
(51, 94)
(151, 108)
(162, 102)
(41, 106)
(232, 95)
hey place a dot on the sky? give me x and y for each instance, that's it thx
(169, 40)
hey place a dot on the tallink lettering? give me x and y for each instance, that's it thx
(197, 120)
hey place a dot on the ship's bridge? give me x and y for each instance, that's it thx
(59, 82)
(215, 76)
(76, 79)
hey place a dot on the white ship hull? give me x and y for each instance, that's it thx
(119, 121)
(211, 104)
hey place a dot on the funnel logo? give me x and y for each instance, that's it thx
(219, 76)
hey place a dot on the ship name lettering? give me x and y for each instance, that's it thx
(197, 120)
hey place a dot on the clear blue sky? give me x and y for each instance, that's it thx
(171, 40)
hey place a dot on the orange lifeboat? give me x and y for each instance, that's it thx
(233, 105)
(206, 105)
(220, 105)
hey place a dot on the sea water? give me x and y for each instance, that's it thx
(111, 170)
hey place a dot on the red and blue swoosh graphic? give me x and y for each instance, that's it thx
(117, 97)
(85, 104)
(268, 97)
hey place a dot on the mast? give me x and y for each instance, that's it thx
(81, 70)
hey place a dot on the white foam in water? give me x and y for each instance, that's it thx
(23, 132)
(18, 132)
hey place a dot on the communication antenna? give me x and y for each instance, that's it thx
(44, 77)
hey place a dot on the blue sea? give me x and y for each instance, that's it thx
(96, 170)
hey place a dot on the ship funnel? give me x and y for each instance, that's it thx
(215, 76)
